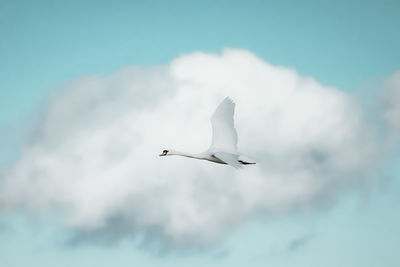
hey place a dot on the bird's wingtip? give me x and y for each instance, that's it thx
(228, 98)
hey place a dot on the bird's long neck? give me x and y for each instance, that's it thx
(184, 154)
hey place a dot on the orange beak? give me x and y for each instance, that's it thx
(163, 154)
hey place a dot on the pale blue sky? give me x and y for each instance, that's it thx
(342, 43)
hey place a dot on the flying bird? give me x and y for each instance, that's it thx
(223, 147)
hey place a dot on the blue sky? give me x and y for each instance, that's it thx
(346, 44)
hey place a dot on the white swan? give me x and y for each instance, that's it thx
(223, 147)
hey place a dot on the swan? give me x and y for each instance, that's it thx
(223, 147)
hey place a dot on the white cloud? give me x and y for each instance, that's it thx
(391, 99)
(95, 152)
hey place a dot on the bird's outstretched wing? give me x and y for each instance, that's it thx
(224, 136)
(229, 158)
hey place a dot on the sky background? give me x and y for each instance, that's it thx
(351, 45)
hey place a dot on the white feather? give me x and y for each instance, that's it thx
(224, 136)
(229, 158)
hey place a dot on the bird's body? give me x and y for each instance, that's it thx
(223, 147)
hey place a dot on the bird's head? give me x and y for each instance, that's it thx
(164, 153)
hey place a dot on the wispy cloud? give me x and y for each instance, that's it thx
(300, 242)
(391, 98)
(94, 154)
